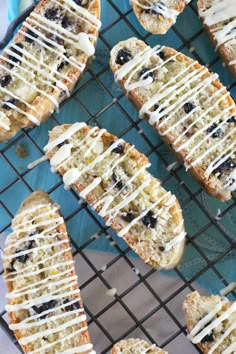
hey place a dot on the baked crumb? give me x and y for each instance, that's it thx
(21, 151)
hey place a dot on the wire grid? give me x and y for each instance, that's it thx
(20, 183)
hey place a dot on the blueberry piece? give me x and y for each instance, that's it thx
(118, 184)
(231, 120)
(62, 143)
(119, 149)
(12, 101)
(149, 220)
(161, 55)
(24, 257)
(217, 134)
(11, 268)
(161, 248)
(154, 9)
(5, 80)
(227, 165)
(51, 14)
(11, 57)
(44, 307)
(123, 56)
(156, 106)
(71, 307)
(128, 217)
(208, 338)
(56, 39)
(188, 107)
(145, 73)
(32, 34)
(66, 22)
(33, 232)
(80, 2)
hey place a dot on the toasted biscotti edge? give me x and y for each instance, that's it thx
(37, 198)
(42, 104)
(214, 187)
(142, 160)
(191, 316)
(223, 52)
(161, 27)
(131, 342)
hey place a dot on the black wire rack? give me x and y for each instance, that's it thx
(158, 311)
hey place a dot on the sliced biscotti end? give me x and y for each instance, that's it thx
(44, 303)
(136, 346)
(157, 16)
(48, 55)
(112, 176)
(186, 105)
(216, 312)
(220, 29)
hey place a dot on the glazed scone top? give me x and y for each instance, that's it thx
(136, 346)
(44, 296)
(50, 43)
(182, 100)
(220, 16)
(163, 8)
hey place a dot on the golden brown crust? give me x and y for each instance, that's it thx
(156, 24)
(141, 159)
(43, 105)
(213, 186)
(222, 50)
(39, 197)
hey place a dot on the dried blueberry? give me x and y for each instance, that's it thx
(123, 56)
(128, 217)
(5, 80)
(11, 101)
(231, 120)
(62, 143)
(44, 307)
(56, 39)
(11, 268)
(161, 248)
(23, 258)
(227, 165)
(217, 134)
(66, 22)
(119, 149)
(32, 34)
(208, 338)
(161, 55)
(80, 2)
(71, 307)
(118, 183)
(156, 106)
(16, 51)
(155, 9)
(145, 73)
(149, 220)
(51, 14)
(188, 107)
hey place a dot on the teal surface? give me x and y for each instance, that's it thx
(95, 97)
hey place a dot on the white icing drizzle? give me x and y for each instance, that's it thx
(72, 174)
(136, 344)
(187, 75)
(33, 164)
(203, 327)
(228, 289)
(79, 349)
(221, 339)
(160, 8)
(58, 286)
(214, 16)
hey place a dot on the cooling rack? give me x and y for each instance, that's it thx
(142, 306)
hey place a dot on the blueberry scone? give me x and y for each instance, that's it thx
(48, 55)
(158, 16)
(112, 176)
(219, 19)
(211, 323)
(136, 346)
(187, 105)
(44, 304)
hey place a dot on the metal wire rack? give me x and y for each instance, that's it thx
(185, 36)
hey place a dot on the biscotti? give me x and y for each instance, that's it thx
(158, 16)
(111, 175)
(219, 19)
(136, 346)
(42, 66)
(187, 106)
(211, 323)
(44, 303)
